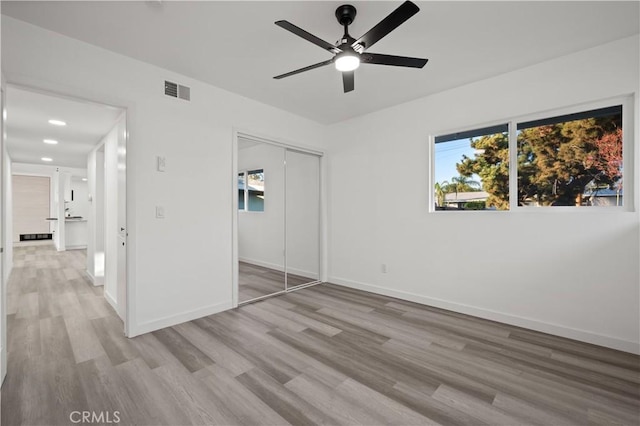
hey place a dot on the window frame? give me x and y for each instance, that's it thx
(245, 173)
(432, 165)
(628, 156)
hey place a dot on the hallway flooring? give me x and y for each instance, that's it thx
(323, 355)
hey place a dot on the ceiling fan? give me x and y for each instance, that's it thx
(349, 52)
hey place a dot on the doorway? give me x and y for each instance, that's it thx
(80, 147)
(277, 219)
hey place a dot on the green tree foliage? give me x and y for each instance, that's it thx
(555, 162)
(441, 191)
(491, 163)
(463, 183)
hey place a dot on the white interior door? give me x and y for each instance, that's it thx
(122, 218)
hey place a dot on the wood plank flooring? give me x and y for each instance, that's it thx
(256, 281)
(323, 355)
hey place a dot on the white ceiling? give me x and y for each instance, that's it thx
(27, 126)
(236, 46)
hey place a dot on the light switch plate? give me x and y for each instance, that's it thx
(162, 163)
(159, 212)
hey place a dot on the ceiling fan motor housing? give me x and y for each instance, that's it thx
(346, 14)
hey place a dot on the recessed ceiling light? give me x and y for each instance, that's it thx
(57, 122)
(47, 159)
(50, 141)
(84, 179)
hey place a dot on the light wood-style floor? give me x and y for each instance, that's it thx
(256, 281)
(322, 355)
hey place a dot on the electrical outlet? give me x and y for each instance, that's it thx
(162, 164)
(384, 268)
(159, 212)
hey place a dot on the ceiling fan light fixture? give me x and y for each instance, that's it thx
(347, 62)
(349, 52)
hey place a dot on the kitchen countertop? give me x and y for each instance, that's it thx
(69, 219)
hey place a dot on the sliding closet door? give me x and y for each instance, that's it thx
(302, 218)
(261, 216)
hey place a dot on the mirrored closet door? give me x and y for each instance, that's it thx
(278, 219)
(302, 222)
(261, 242)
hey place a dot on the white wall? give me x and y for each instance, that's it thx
(45, 170)
(7, 200)
(180, 267)
(261, 234)
(571, 273)
(59, 236)
(95, 218)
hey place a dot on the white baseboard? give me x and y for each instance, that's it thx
(269, 265)
(529, 323)
(306, 274)
(111, 300)
(97, 281)
(294, 271)
(153, 325)
(78, 247)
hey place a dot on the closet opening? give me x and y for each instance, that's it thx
(277, 219)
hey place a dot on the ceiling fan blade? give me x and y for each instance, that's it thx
(348, 81)
(388, 24)
(308, 36)
(310, 67)
(398, 61)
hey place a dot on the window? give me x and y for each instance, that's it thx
(251, 190)
(571, 160)
(241, 186)
(472, 169)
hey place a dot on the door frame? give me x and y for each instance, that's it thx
(128, 109)
(3, 238)
(322, 232)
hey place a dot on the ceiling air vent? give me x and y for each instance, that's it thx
(177, 90)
